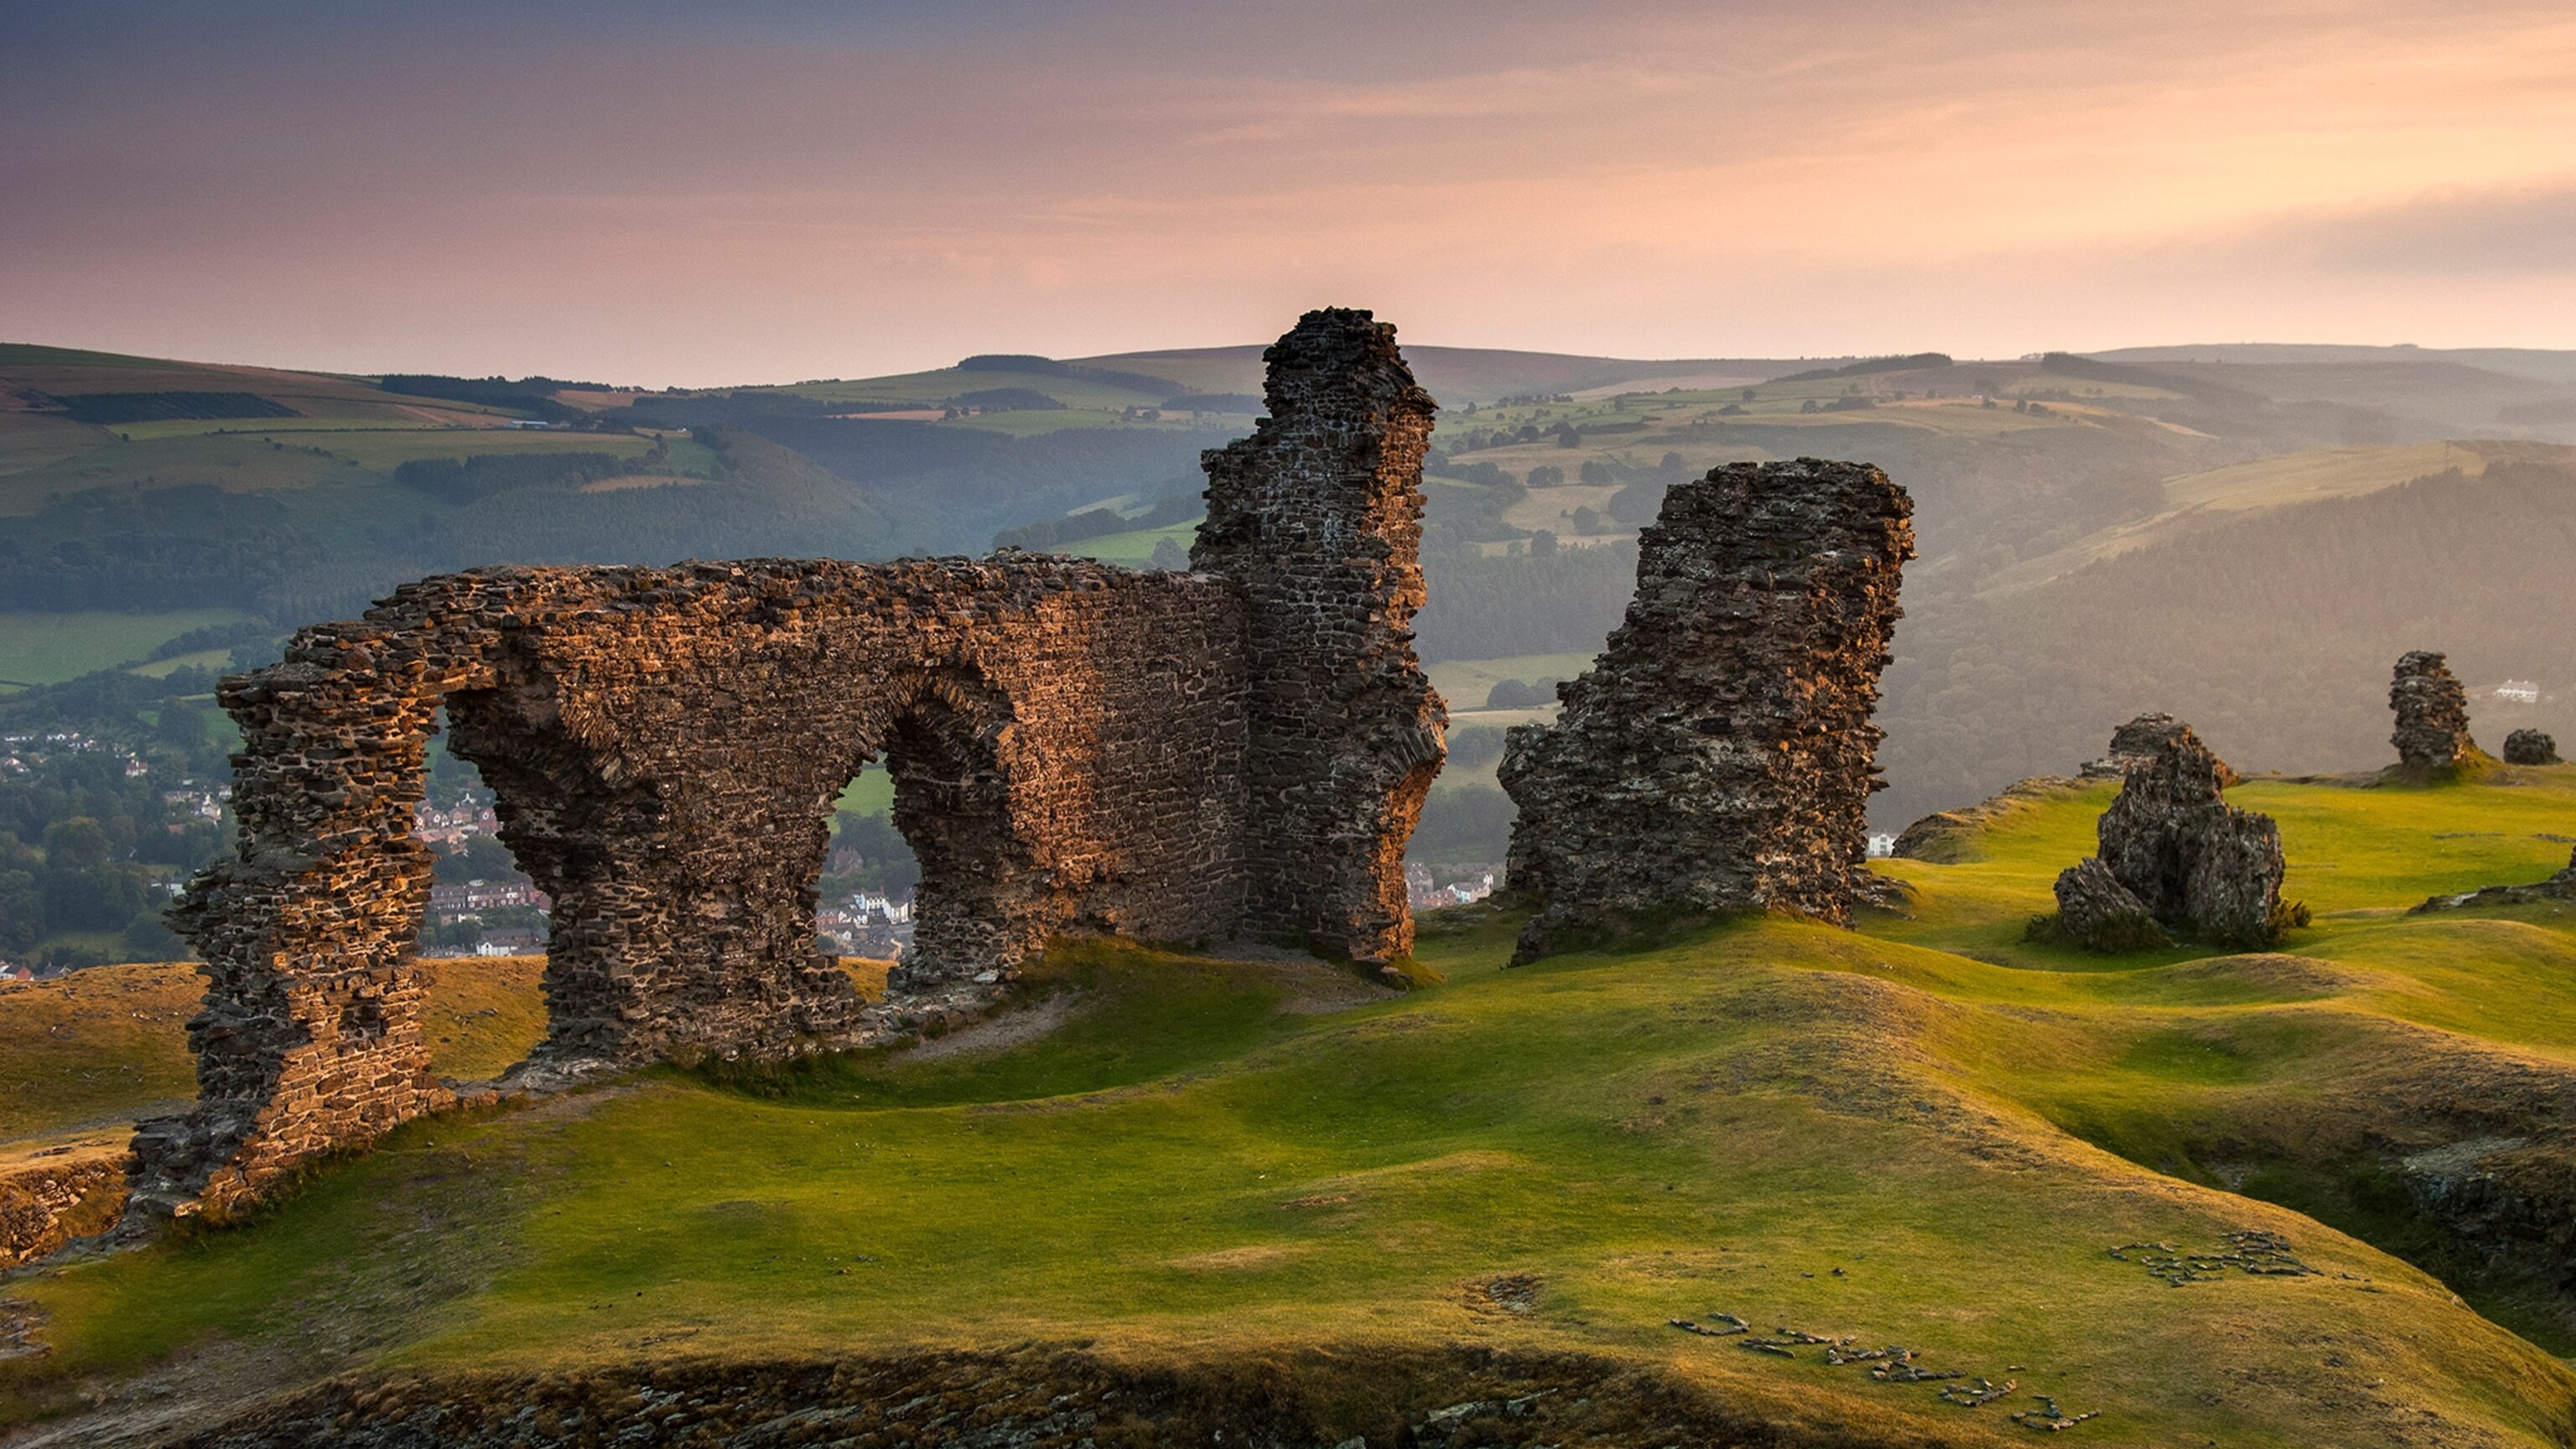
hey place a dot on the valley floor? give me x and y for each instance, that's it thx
(1214, 1199)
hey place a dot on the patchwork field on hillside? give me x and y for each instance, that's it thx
(1926, 1133)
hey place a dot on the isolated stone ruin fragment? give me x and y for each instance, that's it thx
(2530, 747)
(1235, 752)
(2432, 714)
(2176, 860)
(2137, 742)
(1719, 753)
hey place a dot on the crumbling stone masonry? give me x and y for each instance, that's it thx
(2176, 860)
(1239, 751)
(1719, 753)
(55, 1196)
(2432, 714)
(2139, 742)
(2530, 747)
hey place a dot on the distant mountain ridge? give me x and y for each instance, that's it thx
(2538, 363)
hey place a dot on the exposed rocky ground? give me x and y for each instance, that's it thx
(1336, 1398)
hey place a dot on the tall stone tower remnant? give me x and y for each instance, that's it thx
(1237, 752)
(2432, 713)
(1316, 520)
(1719, 753)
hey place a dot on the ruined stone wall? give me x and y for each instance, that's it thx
(1235, 752)
(1719, 753)
(2432, 713)
(1316, 519)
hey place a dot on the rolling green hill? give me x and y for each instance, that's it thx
(1362, 1209)
(2030, 477)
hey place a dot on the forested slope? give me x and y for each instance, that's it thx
(2273, 634)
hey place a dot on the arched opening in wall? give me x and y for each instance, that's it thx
(925, 873)
(485, 930)
(863, 910)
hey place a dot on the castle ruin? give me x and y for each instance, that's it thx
(1237, 752)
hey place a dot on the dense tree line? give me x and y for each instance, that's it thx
(463, 480)
(531, 395)
(183, 547)
(1485, 608)
(110, 408)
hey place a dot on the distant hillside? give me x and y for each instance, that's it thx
(2271, 630)
(2543, 364)
(1460, 375)
(2028, 476)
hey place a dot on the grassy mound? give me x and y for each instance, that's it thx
(1929, 1133)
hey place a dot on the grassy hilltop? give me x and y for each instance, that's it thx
(1926, 1133)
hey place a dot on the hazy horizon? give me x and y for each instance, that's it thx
(661, 196)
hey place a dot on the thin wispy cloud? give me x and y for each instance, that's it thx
(807, 191)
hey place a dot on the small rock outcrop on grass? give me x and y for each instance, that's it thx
(2530, 747)
(2432, 714)
(2559, 887)
(1235, 752)
(1719, 753)
(2137, 742)
(2176, 861)
(1947, 837)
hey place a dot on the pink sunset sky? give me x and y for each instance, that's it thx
(678, 194)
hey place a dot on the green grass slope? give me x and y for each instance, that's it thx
(1924, 1133)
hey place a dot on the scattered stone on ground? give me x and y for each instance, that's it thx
(2530, 747)
(1734, 1325)
(2049, 1418)
(2176, 859)
(1902, 1369)
(1718, 754)
(995, 1033)
(2256, 1251)
(1512, 1292)
(19, 1320)
(1985, 1391)
(2432, 713)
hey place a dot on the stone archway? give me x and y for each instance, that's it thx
(1234, 752)
(983, 903)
